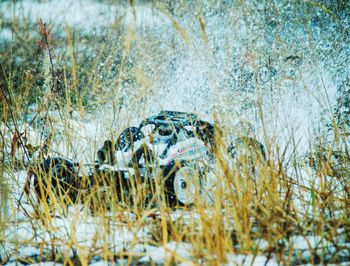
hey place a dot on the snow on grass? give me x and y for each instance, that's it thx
(87, 232)
(180, 251)
(28, 238)
(146, 17)
(49, 263)
(237, 259)
(5, 35)
(75, 14)
(100, 263)
(198, 78)
(85, 15)
(86, 228)
(187, 80)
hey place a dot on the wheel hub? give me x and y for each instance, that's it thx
(186, 184)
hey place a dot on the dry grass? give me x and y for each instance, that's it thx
(257, 209)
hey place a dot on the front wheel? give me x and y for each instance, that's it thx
(183, 185)
(187, 185)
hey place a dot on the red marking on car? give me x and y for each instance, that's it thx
(187, 150)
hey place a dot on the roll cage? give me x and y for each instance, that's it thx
(172, 121)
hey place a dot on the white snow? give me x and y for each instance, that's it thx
(5, 35)
(75, 14)
(100, 263)
(146, 17)
(87, 232)
(180, 251)
(237, 259)
(86, 15)
(49, 263)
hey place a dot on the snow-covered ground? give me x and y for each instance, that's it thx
(30, 239)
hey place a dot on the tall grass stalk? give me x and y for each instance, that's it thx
(256, 208)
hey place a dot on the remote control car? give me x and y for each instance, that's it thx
(172, 150)
(174, 145)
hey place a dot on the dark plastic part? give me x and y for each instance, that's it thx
(128, 137)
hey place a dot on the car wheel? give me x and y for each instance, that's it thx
(248, 147)
(183, 185)
(186, 185)
(62, 176)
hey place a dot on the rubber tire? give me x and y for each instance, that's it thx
(64, 178)
(170, 175)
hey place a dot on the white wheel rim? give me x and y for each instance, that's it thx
(185, 185)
